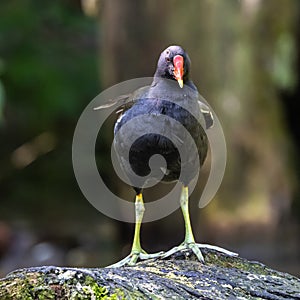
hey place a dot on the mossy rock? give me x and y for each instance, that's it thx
(179, 277)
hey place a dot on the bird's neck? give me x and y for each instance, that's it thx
(170, 89)
(163, 81)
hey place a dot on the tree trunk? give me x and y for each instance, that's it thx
(129, 39)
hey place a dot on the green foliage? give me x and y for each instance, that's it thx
(1, 101)
(48, 68)
(50, 59)
(2, 92)
(284, 73)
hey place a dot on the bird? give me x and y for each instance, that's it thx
(172, 94)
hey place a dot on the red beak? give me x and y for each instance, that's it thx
(178, 63)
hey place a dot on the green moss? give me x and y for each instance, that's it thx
(101, 292)
(44, 293)
(97, 291)
(237, 263)
(33, 287)
(23, 288)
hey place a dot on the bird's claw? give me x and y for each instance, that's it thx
(133, 257)
(184, 246)
(219, 249)
(196, 250)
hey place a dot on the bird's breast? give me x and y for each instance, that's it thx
(159, 127)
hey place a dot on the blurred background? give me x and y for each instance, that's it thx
(56, 56)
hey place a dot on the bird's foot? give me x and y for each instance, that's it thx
(196, 250)
(133, 257)
(185, 246)
(219, 249)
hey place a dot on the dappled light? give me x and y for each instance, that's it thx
(30, 151)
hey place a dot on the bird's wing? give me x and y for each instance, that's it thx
(207, 114)
(124, 102)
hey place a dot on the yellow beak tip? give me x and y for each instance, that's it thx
(180, 82)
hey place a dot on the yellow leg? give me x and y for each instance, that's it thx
(189, 241)
(139, 213)
(137, 251)
(184, 203)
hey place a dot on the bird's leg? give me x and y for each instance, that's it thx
(189, 241)
(136, 250)
(184, 204)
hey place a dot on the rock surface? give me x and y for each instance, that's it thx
(179, 277)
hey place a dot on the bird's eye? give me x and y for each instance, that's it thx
(167, 55)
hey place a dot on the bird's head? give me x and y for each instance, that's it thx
(174, 63)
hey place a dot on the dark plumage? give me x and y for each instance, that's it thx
(153, 102)
(171, 94)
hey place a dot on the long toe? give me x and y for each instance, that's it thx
(134, 257)
(195, 248)
(145, 256)
(173, 251)
(186, 246)
(216, 248)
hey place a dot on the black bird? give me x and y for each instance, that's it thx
(171, 94)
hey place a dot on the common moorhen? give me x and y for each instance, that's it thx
(172, 94)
